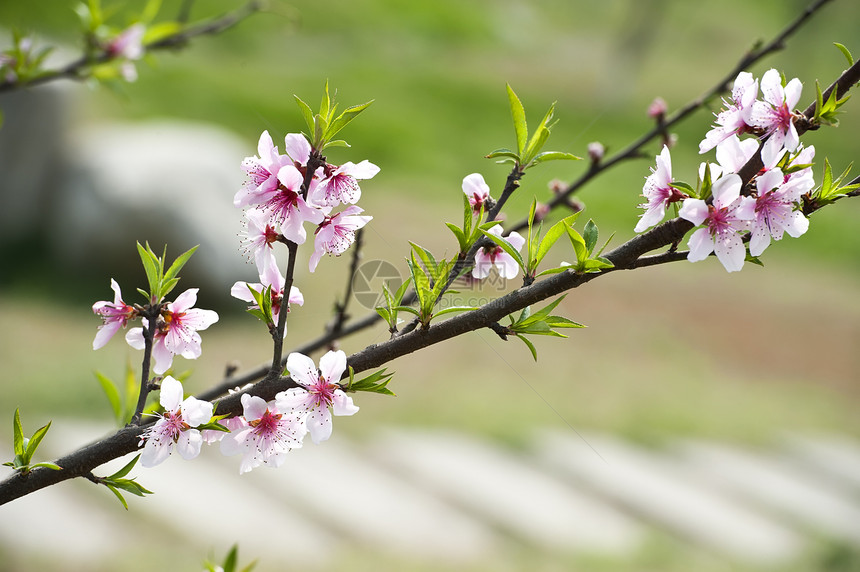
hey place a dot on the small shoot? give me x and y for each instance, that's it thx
(376, 382)
(324, 125)
(161, 282)
(117, 482)
(25, 448)
(393, 303)
(528, 152)
(540, 323)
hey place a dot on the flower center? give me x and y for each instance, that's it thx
(267, 424)
(323, 393)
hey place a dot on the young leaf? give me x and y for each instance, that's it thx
(112, 394)
(529, 345)
(307, 113)
(34, 441)
(17, 434)
(845, 53)
(518, 114)
(344, 119)
(507, 247)
(555, 156)
(589, 233)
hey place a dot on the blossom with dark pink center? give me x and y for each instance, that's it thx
(259, 238)
(270, 278)
(262, 173)
(493, 256)
(176, 331)
(267, 435)
(477, 190)
(115, 314)
(776, 209)
(659, 192)
(287, 208)
(340, 184)
(175, 426)
(723, 220)
(319, 396)
(336, 233)
(774, 115)
(736, 118)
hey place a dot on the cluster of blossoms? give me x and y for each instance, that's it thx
(491, 256)
(175, 331)
(266, 431)
(769, 208)
(278, 204)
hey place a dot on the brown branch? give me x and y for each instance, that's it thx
(77, 69)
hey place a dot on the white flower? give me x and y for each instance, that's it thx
(175, 426)
(319, 394)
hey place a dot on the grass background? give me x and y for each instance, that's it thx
(677, 350)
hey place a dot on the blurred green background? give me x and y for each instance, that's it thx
(680, 350)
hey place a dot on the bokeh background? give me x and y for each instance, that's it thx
(680, 351)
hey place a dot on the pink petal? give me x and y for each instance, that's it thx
(302, 369)
(332, 366)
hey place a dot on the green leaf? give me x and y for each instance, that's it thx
(179, 263)
(427, 258)
(578, 245)
(555, 156)
(345, 118)
(51, 466)
(502, 153)
(518, 114)
(374, 383)
(118, 494)
(17, 434)
(507, 247)
(151, 266)
(590, 233)
(307, 113)
(325, 103)
(112, 395)
(845, 53)
(125, 470)
(34, 441)
(538, 139)
(529, 345)
(451, 309)
(150, 11)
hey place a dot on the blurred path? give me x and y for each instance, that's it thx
(457, 500)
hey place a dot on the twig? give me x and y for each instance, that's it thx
(76, 69)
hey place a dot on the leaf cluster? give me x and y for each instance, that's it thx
(324, 125)
(161, 282)
(25, 448)
(831, 188)
(429, 280)
(117, 482)
(470, 232)
(393, 305)
(528, 152)
(540, 323)
(373, 383)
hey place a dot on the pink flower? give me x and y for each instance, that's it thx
(774, 114)
(271, 277)
(336, 233)
(287, 207)
(659, 192)
(494, 256)
(735, 119)
(115, 315)
(298, 149)
(176, 331)
(724, 220)
(127, 44)
(477, 190)
(269, 433)
(259, 238)
(175, 426)
(341, 184)
(775, 211)
(320, 395)
(262, 173)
